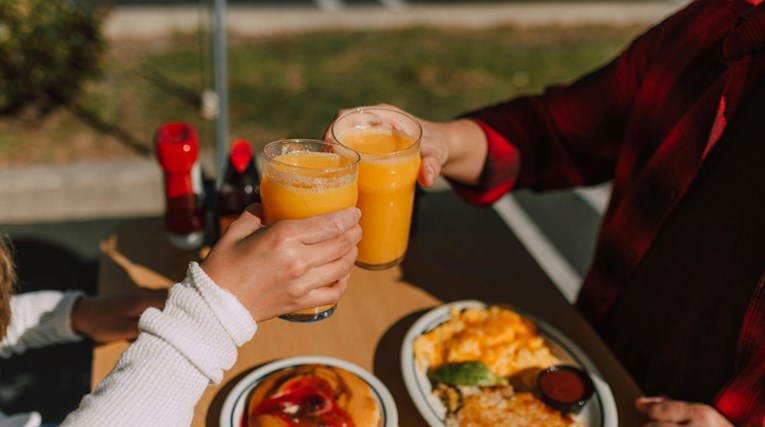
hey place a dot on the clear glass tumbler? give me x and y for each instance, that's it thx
(303, 178)
(388, 141)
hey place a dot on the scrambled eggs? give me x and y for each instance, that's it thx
(499, 337)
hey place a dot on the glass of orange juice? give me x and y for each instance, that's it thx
(388, 141)
(303, 178)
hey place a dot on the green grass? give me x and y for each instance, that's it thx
(291, 85)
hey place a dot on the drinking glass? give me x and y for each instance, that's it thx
(388, 141)
(303, 178)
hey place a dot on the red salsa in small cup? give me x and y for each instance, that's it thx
(565, 388)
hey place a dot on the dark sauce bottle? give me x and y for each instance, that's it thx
(240, 186)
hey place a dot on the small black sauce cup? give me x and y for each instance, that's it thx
(565, 388)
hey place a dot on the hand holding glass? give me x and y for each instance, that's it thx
(303, 178)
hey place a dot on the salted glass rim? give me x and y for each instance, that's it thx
(351, 154)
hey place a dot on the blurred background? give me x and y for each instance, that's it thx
(84, 85)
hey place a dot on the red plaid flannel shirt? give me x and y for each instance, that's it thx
(630, 123)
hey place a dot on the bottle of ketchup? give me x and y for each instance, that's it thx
(177, 146)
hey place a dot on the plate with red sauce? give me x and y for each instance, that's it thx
(599, 410)
(313, 390)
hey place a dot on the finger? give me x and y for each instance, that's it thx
(705, 415)
(336, 270)
(643, 404)
(328, 134)
(333, 249)
(325, 274)
(322, 227)
(428, 171)
(326, 295)
(256, 209)
(670, 410)
(247, 223)
(661, 424)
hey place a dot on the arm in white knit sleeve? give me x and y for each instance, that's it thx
(39, 319)
(179, 352)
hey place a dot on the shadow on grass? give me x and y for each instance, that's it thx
(91, 117)
(161, 81)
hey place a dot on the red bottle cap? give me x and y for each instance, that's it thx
(177, 147)
(241, 155)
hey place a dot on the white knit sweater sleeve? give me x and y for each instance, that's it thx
(39, 319)
(179, 352)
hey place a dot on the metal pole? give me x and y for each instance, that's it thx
(220, 60)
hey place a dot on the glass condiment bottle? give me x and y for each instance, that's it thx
(177, 149)
(240, 186)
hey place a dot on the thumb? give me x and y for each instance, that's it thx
(644, 403)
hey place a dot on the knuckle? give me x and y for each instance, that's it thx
(280, 232)
(337, 224)
(280, 235)
(240, 226)
(356, 234)
(703, 413)
(344, 245)
(335, 297)
(294, 292)
(345, 268)
(656, 411)
(337, 291)
(296, 267)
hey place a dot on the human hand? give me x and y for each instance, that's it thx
(664, 412)
(114, 317)
(287, 266)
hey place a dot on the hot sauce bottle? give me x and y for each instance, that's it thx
(177, 148)
(240, 186)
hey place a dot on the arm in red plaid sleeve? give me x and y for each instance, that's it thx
(573, 135)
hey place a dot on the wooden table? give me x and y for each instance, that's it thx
(458, 252)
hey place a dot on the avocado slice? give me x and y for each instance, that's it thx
(466, 373)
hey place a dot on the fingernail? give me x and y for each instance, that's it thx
(430, 172)
(651, 399)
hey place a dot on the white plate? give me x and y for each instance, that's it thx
(600, 411)
(234, 406)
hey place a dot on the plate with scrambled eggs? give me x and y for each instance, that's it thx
(467, 363)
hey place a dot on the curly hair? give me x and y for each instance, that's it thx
(7, 282)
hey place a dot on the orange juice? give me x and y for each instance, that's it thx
(388, 171)
(287, 196)
(299, 183)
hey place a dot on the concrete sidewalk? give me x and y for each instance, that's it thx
(127, 188)
(147, 22)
